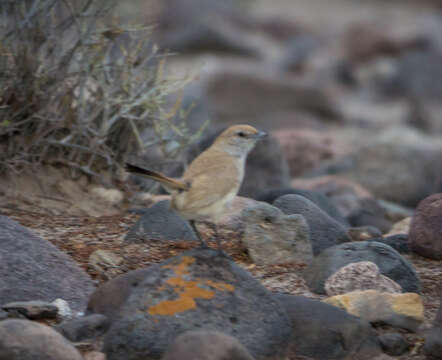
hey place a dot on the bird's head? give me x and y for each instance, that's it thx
(238, 140)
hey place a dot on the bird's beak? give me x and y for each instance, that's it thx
(261, 135)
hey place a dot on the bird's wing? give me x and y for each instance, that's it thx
(212, 178)
(175, 184)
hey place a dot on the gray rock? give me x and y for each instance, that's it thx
(206, 345)
(433, 343)
(27, 340)
(198, 289)
(32, 268)
(33, 310)
(389, 261)
(189, 26)
(266, 166)
(320, 200)
(85, 327)
(399, 242)
(322, 331)
(112, 295)
(370, 213)
(324, 230)
(398, 166)
(272, 237)
(159, 222)
(433, 339)
(394, 344)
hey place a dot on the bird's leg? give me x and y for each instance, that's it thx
(203, 244)
(218, 240)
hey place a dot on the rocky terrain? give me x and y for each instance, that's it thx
(334, 243)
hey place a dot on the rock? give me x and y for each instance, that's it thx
(32, 268)
(304, 149)
(27, 340)
(317, 198)
(197, 289)
(64, 310)
(271, 237)
(395, 212)
(254, 93)
(324, 231)
(394, 344)
(433, 339)
(297, 52)
(363, 275)
(433, 343)
(33, 310)
(206, 345)
(189, 26)
(3, 315)
(94, 355)
(345, 194)
(398, 166)
(266, 166)
(105, 263)
(391, 264)
(398, 242)
(112, 295)
(425, 237)
(160, 223)
(404, 311)
(322, 331)
(84, 327)
(401, 227)
(363, 233)
(370, 213)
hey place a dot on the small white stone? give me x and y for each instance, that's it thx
(64, 310)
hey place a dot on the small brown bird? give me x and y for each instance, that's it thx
(212, 180)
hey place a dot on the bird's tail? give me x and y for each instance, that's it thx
(169, 183)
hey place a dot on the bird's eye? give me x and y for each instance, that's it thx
(241, 134)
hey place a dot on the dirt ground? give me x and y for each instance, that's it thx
(81, 236)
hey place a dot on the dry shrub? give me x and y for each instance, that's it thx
(79, 85)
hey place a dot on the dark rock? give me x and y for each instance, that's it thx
(266, 166)
(322, 331)
(320, 200)
(33, 310)
(399, 242)
(82, 328)
(433, 343)
(324, 230)
(27, 340)
(3, 315)
(32, 268)
(190, 26)
(433, 339)
(112, 295)
(159, 222)
(398, 166)
(273, 237)
(394, 344)
(198, 289)
(425, 237)
(389, 261)
(297, 52)
(205, 345)
(370, 213)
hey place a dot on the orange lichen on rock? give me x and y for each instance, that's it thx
(187, 290)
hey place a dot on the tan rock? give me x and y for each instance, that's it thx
(401, 227)
(399, 310)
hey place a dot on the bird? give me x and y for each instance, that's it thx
(212, 180)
